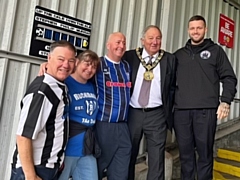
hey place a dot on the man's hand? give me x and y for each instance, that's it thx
(43, 69)
(223, 110)
(33, 178)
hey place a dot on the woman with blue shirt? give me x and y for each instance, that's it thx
(79, 162)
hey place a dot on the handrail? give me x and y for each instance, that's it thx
(21, 57)
(236, 100)
(233, 3)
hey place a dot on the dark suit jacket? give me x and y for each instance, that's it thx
(168, 79)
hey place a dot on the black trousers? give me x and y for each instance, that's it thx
(153, 125)
(115, 144)
(195, 130)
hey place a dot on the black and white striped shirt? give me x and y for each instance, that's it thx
(44, 119)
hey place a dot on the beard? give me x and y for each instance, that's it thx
(197, 41)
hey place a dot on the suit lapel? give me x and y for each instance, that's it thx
(136, 63)
(135, 70)
(163, 70)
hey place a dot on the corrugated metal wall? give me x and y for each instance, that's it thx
(17, 69)
(15, 74)
(106, 16)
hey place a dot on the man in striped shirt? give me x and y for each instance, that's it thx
(113, 89)
(43, 127)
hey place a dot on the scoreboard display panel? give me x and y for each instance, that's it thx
(50, 26)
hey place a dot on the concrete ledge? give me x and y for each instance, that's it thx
(141, 171)
(227, 128)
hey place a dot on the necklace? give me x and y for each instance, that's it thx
(148, 74)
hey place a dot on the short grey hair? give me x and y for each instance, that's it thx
(149, 27)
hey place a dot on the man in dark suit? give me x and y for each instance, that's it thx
(150, 112)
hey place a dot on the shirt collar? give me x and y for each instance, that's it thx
(145, 55)
(114, 62)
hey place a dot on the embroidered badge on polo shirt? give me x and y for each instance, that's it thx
(205, 54)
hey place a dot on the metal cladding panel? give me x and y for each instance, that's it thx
(179, 12)
(16, 23)
(17, 76)
(127, 16)
(106, 16)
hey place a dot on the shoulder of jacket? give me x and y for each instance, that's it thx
(126, 64)
(130, 51)
(180, 50)
(168, 53)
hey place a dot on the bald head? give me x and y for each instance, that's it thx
(116, 46)
(113, 35)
